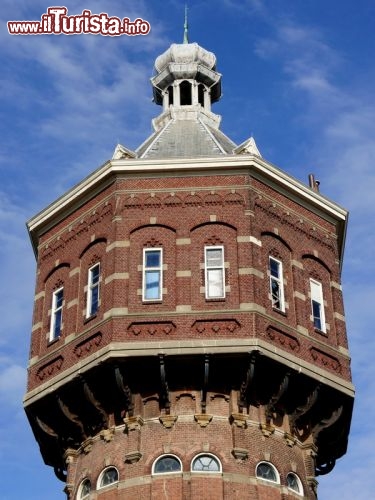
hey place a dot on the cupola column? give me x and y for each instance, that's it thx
(207, 99)
(194, 92)
(165, 100)
(176, 93)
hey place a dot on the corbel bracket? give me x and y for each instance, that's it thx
(326, 468)
(327, 422)
(60, 473)
(94, 402)
(246, 384)
(164, 390)
(125, 392)
(72, 417)
(271, 406)
(46, 428)
(205, 382)
(304, 409)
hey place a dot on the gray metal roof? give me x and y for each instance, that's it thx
(186, 138)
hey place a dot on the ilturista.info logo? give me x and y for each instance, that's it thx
(57, 22)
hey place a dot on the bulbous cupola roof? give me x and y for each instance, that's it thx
(185, 53)
(190, 62)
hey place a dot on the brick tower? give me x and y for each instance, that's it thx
(189, 338)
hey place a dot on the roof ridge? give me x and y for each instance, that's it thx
(212, 136)
(157, 135)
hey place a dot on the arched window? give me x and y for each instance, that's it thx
(170, 95)
(205, 463)
(185, 93)
(268, 472)
(84, 490)
(167, 464)
(294, 483)
(108, 476)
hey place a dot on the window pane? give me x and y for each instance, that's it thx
(152, 258)
(276, 295)
(292, 482)
(110, 476)
(276, 284)
(215, 283)
(167, 464)
(57, 325)
(214, 257)
(85, 488)
(316, 307)
(59, 299)
(266, 471)
(316, 290)
(93, 290)
(95, 274)
(275, 268)
(94, 300)
(56, 313)
(206, 463)
(152, 285)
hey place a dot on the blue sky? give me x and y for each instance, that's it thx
(298, 75)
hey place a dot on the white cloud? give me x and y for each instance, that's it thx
(339, 114)
(86, 93)
(73, 98)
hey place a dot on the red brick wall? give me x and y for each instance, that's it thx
(185, 440)
(183, 224)
(182, 215)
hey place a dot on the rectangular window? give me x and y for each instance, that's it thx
(276, 284)
(93, 290)
(317, 305)
(56, 314)
(152, 274)
(214, 272)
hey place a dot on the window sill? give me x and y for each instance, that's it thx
(214, 299)
(108, 486)
(321, 332)
(53, 341)
(90, 318)
(169, 473)
(279, 311)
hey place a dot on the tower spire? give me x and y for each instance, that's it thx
(186, 39)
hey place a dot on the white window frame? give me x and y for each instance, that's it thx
(299, 491)
(80, 495)
(166, 455)
(273, 468)
(210, 455)
(208, 268)
(158, 269)
(55, 312)
(100, 478)
(280, 282)
(91, 286)
(316, 294)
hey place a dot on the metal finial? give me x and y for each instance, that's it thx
(186, 39)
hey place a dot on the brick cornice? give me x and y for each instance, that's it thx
(225, 165)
